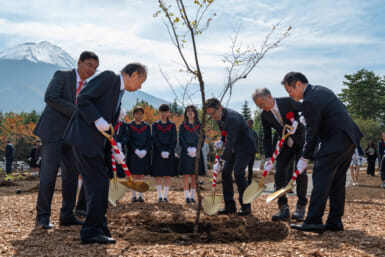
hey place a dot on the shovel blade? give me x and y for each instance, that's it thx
(252, 192)
(116, 192)
(280, 192)
(211, 204)
(138, 186)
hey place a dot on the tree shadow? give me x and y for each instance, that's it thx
(59, 241)
(372, 245)
(365, 202)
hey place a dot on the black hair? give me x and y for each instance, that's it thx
(8, 141)
(137, 109)
(291, 79)
(164, 107)
(250, 120)
(135, 67)
(88, 55)
(212, 103)
(194, 109)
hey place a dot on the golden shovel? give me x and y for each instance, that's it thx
(213, 202)
(255, 189)
(281, 191)
(116, 190)
(139, 186)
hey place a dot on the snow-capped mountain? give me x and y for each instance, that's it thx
(26, 70)
(44, 52)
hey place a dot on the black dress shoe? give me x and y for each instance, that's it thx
(100, 239)
(227, 210)
(140, 199)
(299, 213)
(283, 214)
(334, 227)
(315, 228)
(165, 199)
(245, 210)
(188, 200)
(44, 223)
(81, 213)
(192, 200)
(70, 221)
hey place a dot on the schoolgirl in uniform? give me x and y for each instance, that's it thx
(189, 132)
(164, 141)
(139, 146)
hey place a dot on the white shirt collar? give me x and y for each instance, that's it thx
(121, 82)
(275, 107)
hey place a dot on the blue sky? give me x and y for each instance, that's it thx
(329, 39)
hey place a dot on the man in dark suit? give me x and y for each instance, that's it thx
(239, 149)
(9, 156)
(99, 105)
(60, 99)
(331, 138)
(274, 116)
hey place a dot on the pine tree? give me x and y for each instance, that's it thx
(365, 96)
(246, 112)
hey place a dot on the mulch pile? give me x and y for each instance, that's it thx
(166, 229)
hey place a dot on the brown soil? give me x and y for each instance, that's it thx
(166, 229)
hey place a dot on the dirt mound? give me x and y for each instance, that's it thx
(7, 183)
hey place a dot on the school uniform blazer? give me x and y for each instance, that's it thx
(235, 134)
(99, 99)
(285, 105)
(328, 122)
(60, 105)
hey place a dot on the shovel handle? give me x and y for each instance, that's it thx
(295, 175)
(215, 172)
(278, 147)
(116, 150)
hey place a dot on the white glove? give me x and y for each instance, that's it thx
(302, 120)
(137, 152)
(302, 164)
(119, 157)
(119, 146)
(217, 167)
(294, 127)
(176, 155)
(143, 153)
(165, 154)
(194, 151)
(269, 165)
(218, 145)
(101, 124)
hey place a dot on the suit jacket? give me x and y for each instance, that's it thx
(60, 105)
(327, 122)
(236, 132)
(9, 152)
(285, 105)
(99, 99)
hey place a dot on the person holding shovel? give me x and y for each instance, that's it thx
(239, 149)
(99, 106)
(331, 137)
(274, 116)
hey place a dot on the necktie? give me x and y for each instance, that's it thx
(78, 90)
(119, 100)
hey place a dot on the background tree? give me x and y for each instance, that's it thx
(246, 112)
(364, 96)
(371, 130)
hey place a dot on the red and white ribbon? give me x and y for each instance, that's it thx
(215, 172)
(117, 151)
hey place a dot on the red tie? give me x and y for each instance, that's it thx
(78, 90)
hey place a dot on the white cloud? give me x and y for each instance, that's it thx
(329, 38)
